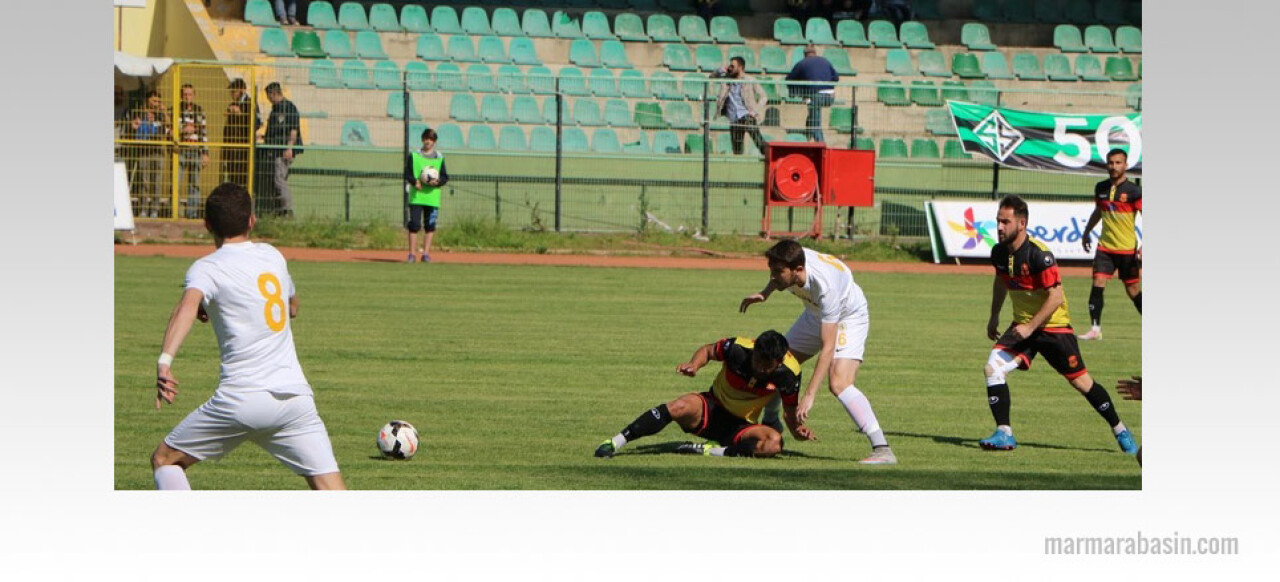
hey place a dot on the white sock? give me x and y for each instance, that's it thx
(172, 478)
(859, 409)
(1006, 429)
(618, 441)
(1119, 428)
(716, 451)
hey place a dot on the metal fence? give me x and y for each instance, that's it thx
(543, 150)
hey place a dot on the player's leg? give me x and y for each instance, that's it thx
(736, 132)
(749, 440)
(1063, 353)
(851, 339)
(326, 482)
(804, 339)
(431, 213)
(688, 411)
(208, 432)
(169, 468)
(1007, 355)
(1131, 274)
(1103, 269)
(289, 427)
(412, 227)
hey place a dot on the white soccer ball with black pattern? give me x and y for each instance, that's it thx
(398, 440)
(428, 174)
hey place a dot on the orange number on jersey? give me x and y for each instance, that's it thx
(830, 260)
(275, 310)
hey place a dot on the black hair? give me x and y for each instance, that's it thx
(1018, 205)
(227, 211)
(788, 252)
(741, 61)
(772, 345)
(274, 87)
(1117, 151)
(430, 134)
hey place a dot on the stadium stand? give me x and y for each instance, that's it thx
(693, 29)
(444, 20)
(1026, 67)
(774, 60)
(1097, 39)
(1129, 39)
(321, 15)
(677, 57)
(382, 18)
(631, 84)
(413, 18)
(565, 26)
(595, 25)
(450, 137)
(662, 28)
(324, 75)
(1120, 69)
(952, 149)
(788, 31)
(892, 93)
(613, 54)
(892, 147)
(748, 56)
(995, 66)
(976, 37)
(1049, 11)
(449, 78)
(582, 53)
(574, 140)
(987, 11)
(1089, 68)
(1057, 67)
(938, 122)
(338, 45)
(480, 137)
(965, 66)
(587, 112)
(511, 80)
(386, 75)
(573, 82)
(924, 148)
(355, 133)
(629, 27)
(924, 93)
(494, 109)
(954, 91)
(818, 32)
(306, 44)
(511, 139)
(506, 23)
(536, 24)
(882, 34)
(260, 13)
(461, 49)
(898, 62)
(396, 106)
(605, 141)
(369, 45)
(724, 29)
(523, 52)
(418, 76)
(851, 33)
(462, 107)
(274, 42)
(914, 35)
(933, 64)
(525, 110)
(602, 83)
(475, 21)
(351, 16)
(1066, 38)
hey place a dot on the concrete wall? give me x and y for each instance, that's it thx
(164, 28)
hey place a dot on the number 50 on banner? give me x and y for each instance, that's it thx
(1126, 129)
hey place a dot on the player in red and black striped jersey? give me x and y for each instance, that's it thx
(753, 371)
(1027, 273)
(1119, 202)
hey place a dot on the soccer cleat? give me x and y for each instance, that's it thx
(880, 456)
(426, 258)
(606, 450)
(999, 441)
(1094, 334)
(410, 259)
(694, 449)
(1127, 444)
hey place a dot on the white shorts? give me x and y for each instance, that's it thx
(286, 425)
(805, 335)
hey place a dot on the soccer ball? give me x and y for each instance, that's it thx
(428, 174)
(398, 440)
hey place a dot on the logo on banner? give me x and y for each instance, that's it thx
(975, 232)
(998, 136)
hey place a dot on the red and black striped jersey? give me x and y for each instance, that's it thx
(1028, 273)
(1120, 205)
(745, 393)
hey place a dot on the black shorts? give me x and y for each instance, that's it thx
(1058, 345)
(719, 424)
(416, 218)
(1106, 264)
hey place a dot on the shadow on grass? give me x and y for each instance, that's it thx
(972, 443)
(774, 474)
(670, 448)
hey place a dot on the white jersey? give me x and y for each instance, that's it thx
(246, 289)
(829, 292)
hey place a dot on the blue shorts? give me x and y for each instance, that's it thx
(416, 219)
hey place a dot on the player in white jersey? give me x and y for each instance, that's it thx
(244, 290)
(833, 327)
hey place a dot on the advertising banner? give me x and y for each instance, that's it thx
(968, 228)
(1053, 142)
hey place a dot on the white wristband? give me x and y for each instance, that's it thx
(165, 359)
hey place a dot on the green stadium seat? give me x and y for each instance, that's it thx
(709, 57)
(629, 27)
(449, 78)
(924, 93)
(338, 45)
(817, 31)
(994, 66)
(524, 109)
(542, 139)
(573, 82)
(774, 90)
(605, 141)
(954, 91)
(937, 121)
(274, 42)
(840, 61)
(639, 146)
(984, 93)
(450, 137)
(851, 33)
(882, 34)
(549, 111)
(614, 55)
(541, 80)
(444, 20)
(952, 149)
(892, 147)
(602, 83)
(351, 16)
(1089, 68)
(419, 76)
(1068, 40)
(923, 148)
(1120, 69)
(864, 143)
(1057, 67)
(663, 86)
(535, 24)
(587, 112)
(507, 23)
(1019, 11)
(321, 15)
(1097, 39)
(723, 144)
(933, 64)
(891, 92)
(976, 37)
(475, 22)
(927, 9)
(413, 18)
(575, 140)
(386, 75)
(897, 62)
(677, 57)
(987, 11)
(1133, 96)
(1078, 11)
(693, 87)
(306, 44)
(511, 139)
(480, 137)
(490, 50)
(649, 116)
(1129, 40)
(595, 25)
(260, 13)
(841, 119)
(693, 143)
(725, 30)
(369, 45)
(431, 48)
(463, 107)
(1049, 11)
(523, 52)
(461, 49)
(632, 84)
(1110, 12)
(618, 114)
(324, 75)
(355, 133)
(965, 66)
(662, 28)
(748, 56)
(693, 29)
(915, 35)
(1026, 67)
(565, 26)
(494, 109)
(774, 60)
(395, 105)
(788, 31)
(667, 142)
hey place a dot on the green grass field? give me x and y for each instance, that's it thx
(514, 374)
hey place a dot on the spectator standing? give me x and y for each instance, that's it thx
(235, 159)
(193, 129)
(816, 69)
(119, 119)
(282, 136)
(743, 102)
(151, 124)
(287, 12)
(424, 196)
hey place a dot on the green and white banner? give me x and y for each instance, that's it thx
(1054, 142)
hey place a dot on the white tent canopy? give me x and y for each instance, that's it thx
(131, 70)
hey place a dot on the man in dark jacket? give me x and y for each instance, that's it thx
(820, 93)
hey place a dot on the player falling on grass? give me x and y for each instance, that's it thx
(833, 327)
(1027, 273)
(1119, 202)
(729, 412)
(245, 291)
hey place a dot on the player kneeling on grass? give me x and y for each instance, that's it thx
(729, 413)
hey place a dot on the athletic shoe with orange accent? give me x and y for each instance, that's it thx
(880, 456)
(1093, 334)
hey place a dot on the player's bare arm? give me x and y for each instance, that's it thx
(293, 306)
(820, 372)
(184, 315)
(998, 293)
(760, 297)
(1086, 241)
(699, 359)
(1051, 303)
(798, 429)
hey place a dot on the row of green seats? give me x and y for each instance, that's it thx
(1097, 39)
(336, 44)
(850, 33)
(993, 65)
(925, 93)
(524, 109)
(773, 59)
